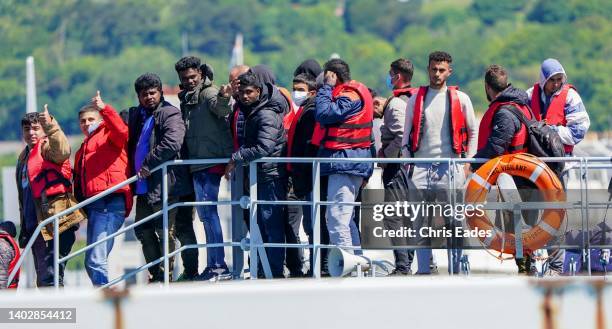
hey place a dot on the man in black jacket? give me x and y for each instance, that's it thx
(264, 136)
(156, 132)
(504, 133)
(298, 145)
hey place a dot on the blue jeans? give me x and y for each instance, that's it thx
(104, 217)
(206, 186)
(342, 228)
(271, 222)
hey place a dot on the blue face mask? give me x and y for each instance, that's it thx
(389, 83)
(93, 127)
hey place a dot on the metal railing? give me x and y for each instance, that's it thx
(255, 245)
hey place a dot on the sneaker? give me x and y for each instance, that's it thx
(397, 272)
(186, 277)
(215, 274)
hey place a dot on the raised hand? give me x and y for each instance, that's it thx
(97, 101)
(331, 78)
(44, 118)
(226, 90)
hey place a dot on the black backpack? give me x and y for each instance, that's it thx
(543, 140)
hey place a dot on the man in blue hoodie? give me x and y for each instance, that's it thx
(556, 101)
(344, 114)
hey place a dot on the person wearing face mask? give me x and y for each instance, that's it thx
(392, 132)
(298, 145)
(101, 163)
(394, 113)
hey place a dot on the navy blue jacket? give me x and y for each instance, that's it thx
(328, 111)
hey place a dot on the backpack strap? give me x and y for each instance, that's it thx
(521, 116)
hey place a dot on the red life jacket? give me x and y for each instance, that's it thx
(409, 91)
(519, 140)
(288, 118)
(555, 115)
(354, 132)
(291, 133)
(13, 263)
(47, 176)
(457, 122)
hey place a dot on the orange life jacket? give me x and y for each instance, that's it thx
(354, 132)
(458, 128)
(555, 115)
(47, 176)
(519, 141)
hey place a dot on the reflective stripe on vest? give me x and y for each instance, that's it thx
(13, 263)
(519, 140)
(47, 176)
(354, 132)
(555, 114)
(457, 127)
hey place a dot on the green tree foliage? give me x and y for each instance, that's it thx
(81, 46)
(491, 11)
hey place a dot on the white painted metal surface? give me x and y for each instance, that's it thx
(414, 302)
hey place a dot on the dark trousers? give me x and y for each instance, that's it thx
(271, 222)
(43, 257)
(403, 257)
(294, 256)
(151, 236)
(186, 236)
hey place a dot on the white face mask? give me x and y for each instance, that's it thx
(93, 127)
(299, 97)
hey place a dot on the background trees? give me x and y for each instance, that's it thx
(81, 46)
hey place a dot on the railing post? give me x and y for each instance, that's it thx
(56, 273)
(253, 220)
(316, 219)
(586, 195)
(450, 250)
(165, 223)
(237, 222)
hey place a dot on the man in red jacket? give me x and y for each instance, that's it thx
(100, 164)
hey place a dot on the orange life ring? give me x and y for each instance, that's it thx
(529, 167)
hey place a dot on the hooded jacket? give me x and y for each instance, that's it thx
(309, 66)
(505, 124)
(207, 134)
(264, 135)
(577, 120)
